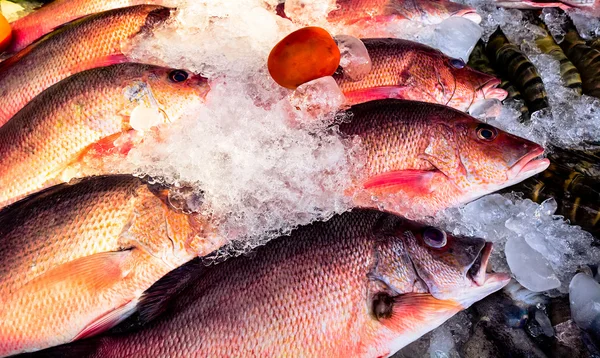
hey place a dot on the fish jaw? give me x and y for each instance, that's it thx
(483, 283)
(527, 166)
(490, 90)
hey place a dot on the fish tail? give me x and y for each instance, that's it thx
(586, 59)
(519, 70)
(568, 72)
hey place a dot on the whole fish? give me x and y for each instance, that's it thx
(585, 58)
(589, 6)
(547, 45)
(51, 16)
(422, 157)
(363, 284)
(77, 257)
(384, 12)
(90, 42)
(60, 133)
(479, 61)
(573, 180)
(517, 68)
(409, 70)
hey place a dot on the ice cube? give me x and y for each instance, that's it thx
(355, 59)
(456, 37)
(143, 117)
(319, 98)
(584, 297)
(486, 109)
(530, 268)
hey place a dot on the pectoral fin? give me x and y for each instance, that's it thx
(371, 94)
(407, 181)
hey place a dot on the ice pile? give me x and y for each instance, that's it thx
(584, 297)
(541, 250)
(572, 121)
(263, 162)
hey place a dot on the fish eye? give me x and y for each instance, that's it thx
(178, 76)
(457, 63)
(435, 237)
(486, 132)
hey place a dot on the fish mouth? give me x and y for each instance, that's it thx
(470, 14)
(528, 165)
(490, 90)
(484, 283)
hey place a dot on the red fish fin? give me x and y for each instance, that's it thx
(371, 94)
(409, 181)
(94, 272)
(100, 62)
(536, 4)
(108, 321)
(422, 306)
(92, 159)
(156, 299)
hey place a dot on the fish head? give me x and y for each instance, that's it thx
(446, 274)
(485, 158)
(452, 267)
(472, 85)
(438, 10)
(176, 90)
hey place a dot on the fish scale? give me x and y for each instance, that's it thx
(426, 157)
(53, 137)
(76, 252)
(90, 42)
(50, 16)
(409, 70)
(311, 294)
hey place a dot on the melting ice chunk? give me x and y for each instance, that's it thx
(318, 97)
(530, 268)
(487, 108)
(584, 296)
(143, 117)
(456, 37)
(355, 59)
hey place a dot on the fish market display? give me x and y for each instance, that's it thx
(518, 69)
(67, 130)
(364, 283)
(76, 258)
(90, 42)
(409, 70)
(428, 157)
(336, 170)
(58, 12)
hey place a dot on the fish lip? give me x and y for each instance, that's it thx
(529, 163)
(490, 90)
(477, 272)
(470, 14)
(483, 283)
